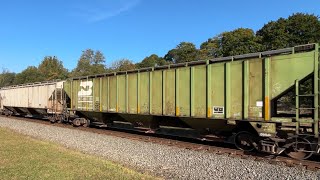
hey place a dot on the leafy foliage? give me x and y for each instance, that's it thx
(273, 35)
(29, 75)
(239, 41)
(6, 78)
(184, 52)
(123, 65)
(90, 62)
(151, 61)
(295, 30)
(51, 68)
(211, 48)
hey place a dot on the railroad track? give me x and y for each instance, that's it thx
(193, 144)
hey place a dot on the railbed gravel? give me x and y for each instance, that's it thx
(160, 160)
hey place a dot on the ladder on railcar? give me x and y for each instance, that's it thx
(315, 95)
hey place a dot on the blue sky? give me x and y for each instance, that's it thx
(133, 29)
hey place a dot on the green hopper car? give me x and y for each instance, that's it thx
(236, 97)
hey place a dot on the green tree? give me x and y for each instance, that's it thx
(184, 52)
(51, 68)
(29, 75)
(297, 29)
(6, 78)
(239, 41)
(303, 29)
(274, 35)
(97, 63)
(123, 65)
(90, 63)
(211, 49)
(98, 58)
(151, 61)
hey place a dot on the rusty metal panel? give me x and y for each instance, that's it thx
(184, 91)
(132, 93)
(104, 94)
(218, 90)
(169, 93)
(53, 97)
(156, 92)
(255, 89)
(200, 102)
(236, 90)
(3, 98)
(113, 105)
(67, 87)
(144, 92)
(96, 94)
(35, 96)
(122, 94)
(75, 90)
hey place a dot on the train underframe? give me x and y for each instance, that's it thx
(268, 137)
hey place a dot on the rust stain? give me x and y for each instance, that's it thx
(138, 109)
(177, 111)
(209, 112)
(266, 108)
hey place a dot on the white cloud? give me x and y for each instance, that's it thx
(95, 11)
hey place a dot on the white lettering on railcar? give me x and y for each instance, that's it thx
(86, 88)
(265, 134)
(85, 98)
(218, 109)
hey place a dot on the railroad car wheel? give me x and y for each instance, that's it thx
(86, 123)
(244, 141)
(76, 122)
(52, 119)
(300, 148)
(59, 119)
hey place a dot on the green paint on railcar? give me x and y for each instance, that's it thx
(104, 94)
(218, 90)
(122, 94)
(169, 93)
(184, 92)
(239, 88)
(255, 89)
(236, 90)
(285, 69)
(96, 94)
(113, 103)
(156, 104)
(200, 101)
(144, 92)
(132, 93)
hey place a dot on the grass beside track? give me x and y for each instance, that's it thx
(23, 157)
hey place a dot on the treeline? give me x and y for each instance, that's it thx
(297, 29)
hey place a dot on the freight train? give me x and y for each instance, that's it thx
(237, 98)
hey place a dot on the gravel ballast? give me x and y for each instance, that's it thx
(160, 160)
